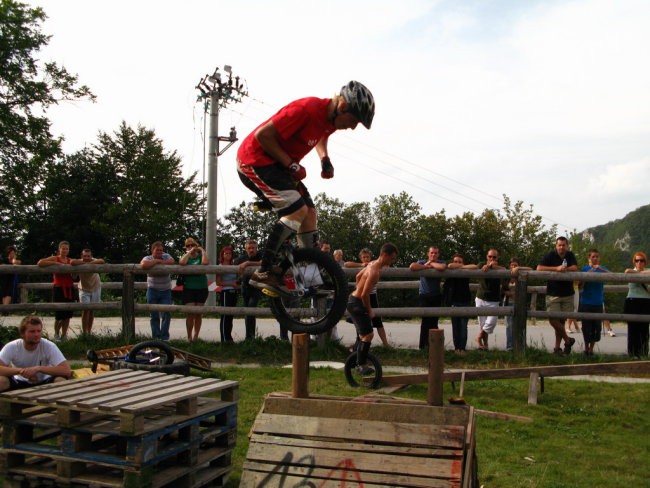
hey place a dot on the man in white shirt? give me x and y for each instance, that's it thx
(31, 360)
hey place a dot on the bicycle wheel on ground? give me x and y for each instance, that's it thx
(151, 352)
(324, 289)
(368, 377)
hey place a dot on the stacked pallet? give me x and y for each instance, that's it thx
(335, 442)
(120, 429)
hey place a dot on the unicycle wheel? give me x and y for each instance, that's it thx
(357, 377)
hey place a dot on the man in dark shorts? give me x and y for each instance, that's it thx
(359, 303)
(268, 162)
(31, 360)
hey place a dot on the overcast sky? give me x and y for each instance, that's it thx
(545, 101)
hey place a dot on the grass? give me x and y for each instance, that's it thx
(583, 433)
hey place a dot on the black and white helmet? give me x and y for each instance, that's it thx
(360, 102)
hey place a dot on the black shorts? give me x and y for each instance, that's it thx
(19, 383)
(275, 185)
(63, 295)
(194, 295)
(360, 316)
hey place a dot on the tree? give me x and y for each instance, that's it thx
(27, 90)
(346, 227)
(116, 198)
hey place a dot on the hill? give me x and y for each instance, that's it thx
(617, 240)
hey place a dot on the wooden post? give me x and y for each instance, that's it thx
(128, 306)
(520, 314)
(300, 362)
(436, 366)
(532, 388)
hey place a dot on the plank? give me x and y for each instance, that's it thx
(380, 463)
(392, 410)
(208, 386)
(449, 436)
(354, 446)
(265, 475)
(513, 373)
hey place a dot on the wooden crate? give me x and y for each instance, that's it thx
(120, 429)
(336, 442)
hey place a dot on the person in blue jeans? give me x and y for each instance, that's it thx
(457, 294)
(159, 290)
(592, 299)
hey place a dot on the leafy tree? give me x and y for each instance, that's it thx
(243, 223)
(27, 89)
(116, 198)
(346, 227)
(396, 220)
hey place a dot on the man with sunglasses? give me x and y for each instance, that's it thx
(31, 360)
(559, 294)
(489, 294)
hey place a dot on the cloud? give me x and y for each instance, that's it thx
(624, 180)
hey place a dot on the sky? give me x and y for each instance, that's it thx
(547, 102)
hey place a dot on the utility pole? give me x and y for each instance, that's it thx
(217, 93)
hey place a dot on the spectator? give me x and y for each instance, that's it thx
(62, 290)
(250, 294)
(429, 291)
(338, 257)
(592, 300)
(365, 255)
(9, 282)
(457, 294)
(559, 294)
(515, 266)
(489, 295)
(31, 360)
(159, 290)
(332, 333)
(638, 302)
(229, 289)
(359, 305)
(90, 289)
(195, 286)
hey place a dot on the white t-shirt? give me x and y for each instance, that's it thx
(46, 353)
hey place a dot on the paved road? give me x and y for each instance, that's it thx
(400, 334)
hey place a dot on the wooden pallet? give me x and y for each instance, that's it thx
(333, 442)
(194, 360)
(122, 428)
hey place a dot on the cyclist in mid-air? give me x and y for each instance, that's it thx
(268, 162)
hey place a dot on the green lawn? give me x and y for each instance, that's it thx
(582, 434)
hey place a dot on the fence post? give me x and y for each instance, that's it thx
(128, 306)
(520, 316)
(436, 366)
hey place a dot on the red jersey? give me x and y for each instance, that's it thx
(300, 126)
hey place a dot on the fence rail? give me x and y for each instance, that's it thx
(391, 278)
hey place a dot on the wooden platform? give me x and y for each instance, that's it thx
(335, 441)
(120, 429)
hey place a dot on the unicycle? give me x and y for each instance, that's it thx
(314, 294)
(367, 379)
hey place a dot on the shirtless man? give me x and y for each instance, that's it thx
(359, 303)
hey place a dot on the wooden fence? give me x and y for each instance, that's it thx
(527, 282)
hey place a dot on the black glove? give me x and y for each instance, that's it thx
(327, 168)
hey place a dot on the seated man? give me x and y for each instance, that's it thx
(31, 360)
